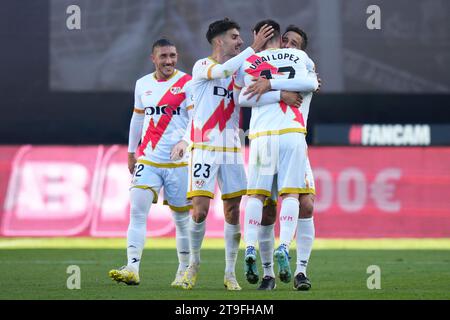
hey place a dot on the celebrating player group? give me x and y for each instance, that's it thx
(184, 136)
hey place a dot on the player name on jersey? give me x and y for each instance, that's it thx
(272, 57)
(277, 64)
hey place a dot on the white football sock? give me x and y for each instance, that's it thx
(197, 233)
(266, 239)
(305, 239)
(288, 220)
(252, 221)
(232, 235)
(140, 202)
(181, 220)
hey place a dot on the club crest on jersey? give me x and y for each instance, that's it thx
(175, 90)
(199, 183)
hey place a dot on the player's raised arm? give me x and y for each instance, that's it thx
(136, 124)
(216, 70)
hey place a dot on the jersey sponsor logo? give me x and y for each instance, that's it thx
(171, 102)
(220, 116)
(150, 111)
(222, 92)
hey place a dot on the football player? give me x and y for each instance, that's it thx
(215, 153)
(277, 133)
(160, 119)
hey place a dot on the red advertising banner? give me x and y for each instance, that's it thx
(382, 192)
(361, 192)
(50, 191)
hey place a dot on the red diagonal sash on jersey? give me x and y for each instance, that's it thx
(220, 116)
(154, 133)
(273, 70)
(296, 111)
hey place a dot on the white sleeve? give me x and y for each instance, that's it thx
(270, 97)
(301, 84)
(137, 97)
(238, 78)
(137, 121)
(211, 71)
(187, 134)
(189, 101)
(134, 136)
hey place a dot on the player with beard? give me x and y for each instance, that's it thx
(215, 153)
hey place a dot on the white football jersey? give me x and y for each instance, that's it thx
(165, 104)
(277, 118)
(215, 119)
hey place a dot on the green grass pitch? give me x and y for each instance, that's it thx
(36, 269)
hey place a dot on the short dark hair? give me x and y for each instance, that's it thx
(162, 43)
(219, 27)
(275, 25)
(302, 34)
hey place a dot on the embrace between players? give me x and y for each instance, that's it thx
(174, 112)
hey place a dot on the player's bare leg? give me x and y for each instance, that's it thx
(305, 239)
(252, 219)
(288, 225)
(266, 239)
(232, 235)
(197, 227)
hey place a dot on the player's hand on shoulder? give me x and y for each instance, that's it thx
(178, 150)
(293, 99)
(131, 161)
(259, 86)
(260, 38)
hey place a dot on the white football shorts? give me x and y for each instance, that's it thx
(205, 166)
(173, 178)
(279, 163)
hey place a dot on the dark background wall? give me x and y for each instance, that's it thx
(32, 113)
